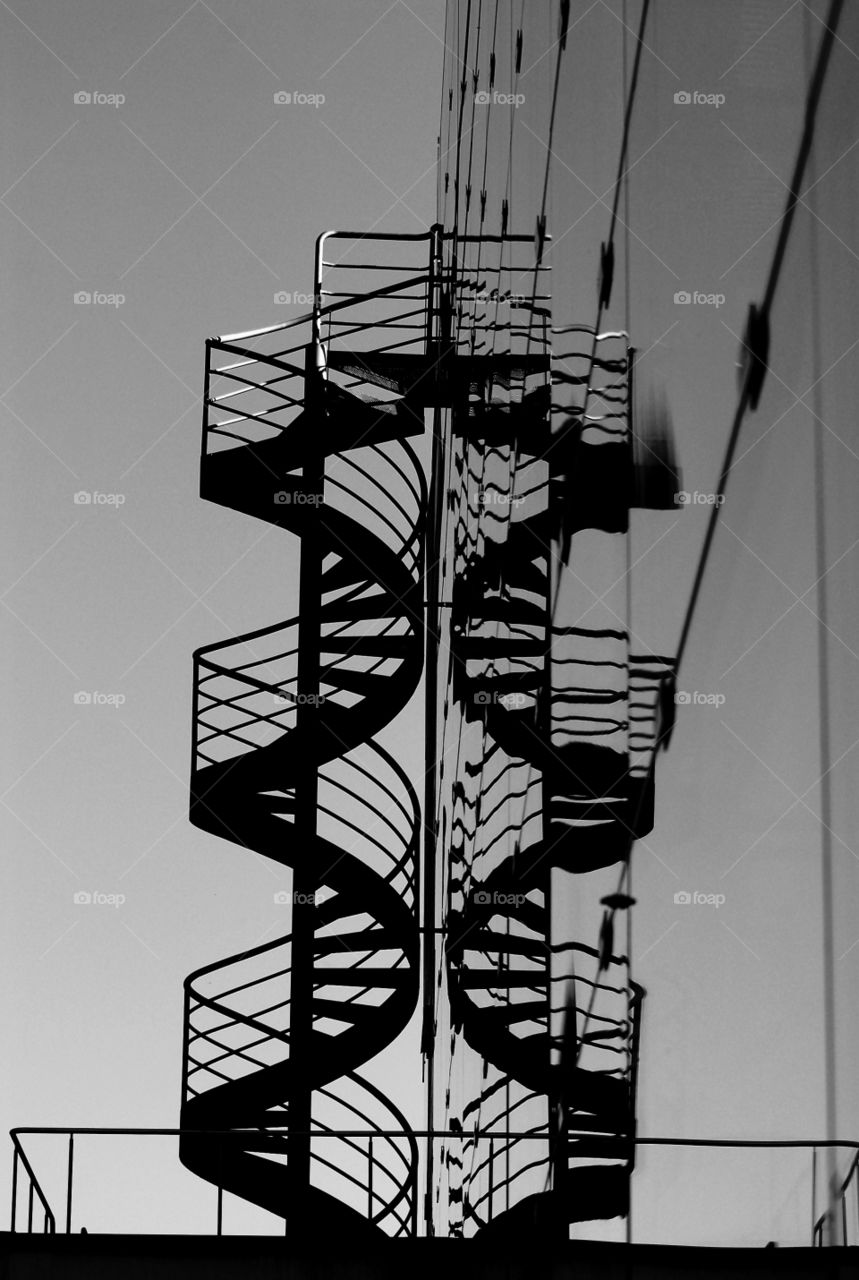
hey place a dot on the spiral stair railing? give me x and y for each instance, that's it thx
(306, 427)
(285, 763)
(573, 748)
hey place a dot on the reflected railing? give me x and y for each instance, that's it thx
(843, 1216)
(381, 1156)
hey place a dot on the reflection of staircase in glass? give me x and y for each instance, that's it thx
(568, 732)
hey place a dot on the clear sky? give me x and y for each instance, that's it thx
(196, 200)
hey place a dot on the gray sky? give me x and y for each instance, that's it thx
(199, 198)
(113, 598)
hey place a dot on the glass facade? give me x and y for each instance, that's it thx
(644, 153)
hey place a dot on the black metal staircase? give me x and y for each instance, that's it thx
(307, 428)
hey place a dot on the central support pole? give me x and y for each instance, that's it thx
(306, 876)
(436, 342)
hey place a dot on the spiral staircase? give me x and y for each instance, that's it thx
(286, 765)
(505, 968)
(306, 428)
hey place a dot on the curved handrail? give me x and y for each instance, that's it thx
(239, 1047)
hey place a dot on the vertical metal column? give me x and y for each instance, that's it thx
(435, 349)
(305, 880)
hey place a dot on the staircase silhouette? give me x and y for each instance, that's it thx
(285, 765)
(306, 428)
(595, 801)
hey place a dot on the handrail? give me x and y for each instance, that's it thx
(232, 716)
(141, 1131)
(253, 1135)
(817, 1229)
(19, 1154)
(308, 317)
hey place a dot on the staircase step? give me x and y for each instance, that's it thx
(332, 909)
(498, 609)
(380, 605)
(359, 682)
(342, 1011)
(277, 804)
(587, 848)
(353, 422)
(426, 381)
(507, 1014)
(488, 979)
(601, 1147)
(506, 944)
(595, 1194)
(363, 940)
(605, 1096)
(530, 914)
(510, 682)
(522, 422)
(370, 646)
(345, 572)
(361, 976)
(599, 1037)
(579, 1122)
(498, 647)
